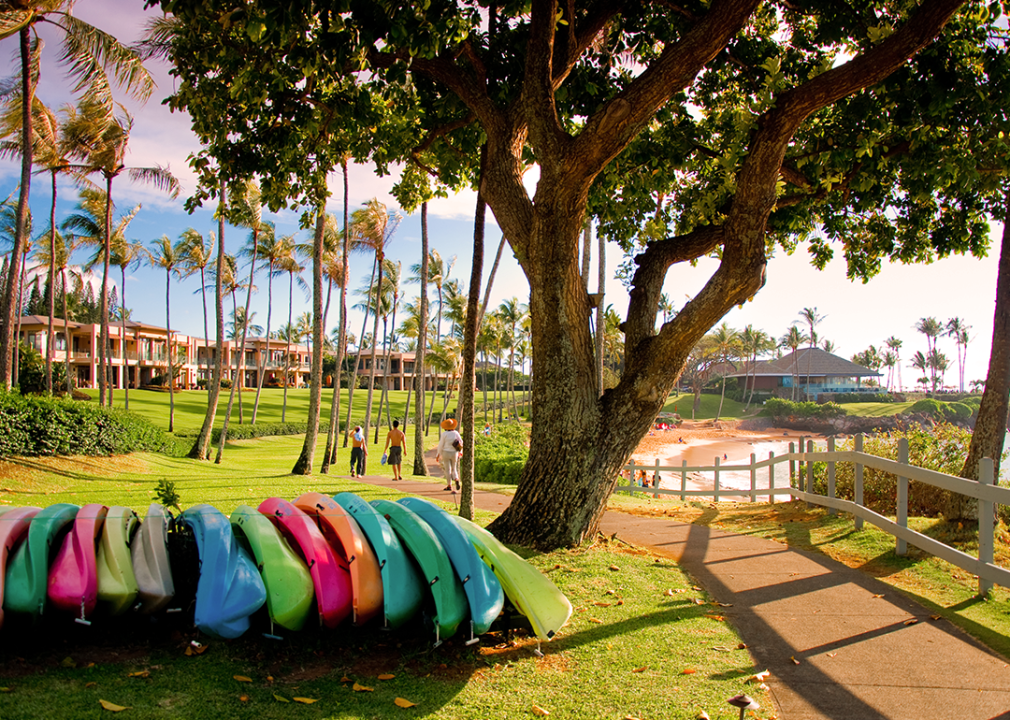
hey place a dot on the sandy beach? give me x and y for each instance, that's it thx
(701, 442)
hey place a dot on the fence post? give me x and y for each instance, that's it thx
(683, 479)
(831, 474)
(753, 478)
(716, 487)
(771, 477)
(858, 490)
(901, 547)
(810, 469)
(655, 477)
(792, 464)
(986, 521)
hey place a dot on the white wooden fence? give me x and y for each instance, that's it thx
(801, 487)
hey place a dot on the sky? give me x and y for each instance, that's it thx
(856, 315)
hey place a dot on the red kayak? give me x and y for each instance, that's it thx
(330, 573)
(73, 576)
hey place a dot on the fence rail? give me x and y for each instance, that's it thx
(801, 487)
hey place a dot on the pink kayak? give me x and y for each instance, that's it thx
(73, 576)
(347, 539)
(330, 573)
(14, 524)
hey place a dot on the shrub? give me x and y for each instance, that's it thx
(248, 432)
(500, 456)
(31, 426)
(777, 407)
(32, 372)
(852, 397)
(957, 411)
(942, 448)
(928, 406)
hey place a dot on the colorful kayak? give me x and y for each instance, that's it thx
(402, 586)
(483, 591)
(14, 525)
(450, 600)
(290, 593)
(117, 583)
(73, 576)
(151, 566)
(532, 592)
(230, 588)
(28, 570)
(331, 576)
(347, 539)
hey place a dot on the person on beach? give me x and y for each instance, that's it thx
(359, 451)
(395, 440)
(450, 447)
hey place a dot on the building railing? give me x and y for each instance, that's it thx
(801, 487)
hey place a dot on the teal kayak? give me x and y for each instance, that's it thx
(290, 593)
(447, 591)
(483, 591)
(230, 588)
(532, 592)
(28, 569)
(14, 525)
(402, 586)
(117, 584)
(151, 565)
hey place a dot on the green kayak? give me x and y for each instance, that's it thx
(290, 593)
(27, 578)
(451, 605)
(532, 592)
(117, 583)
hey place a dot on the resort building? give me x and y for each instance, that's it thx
(140, 353)
(815, 373)
(400, 370)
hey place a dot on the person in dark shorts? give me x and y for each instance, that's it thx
(359, 449)
(395, 441)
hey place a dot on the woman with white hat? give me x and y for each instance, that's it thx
(450, 447)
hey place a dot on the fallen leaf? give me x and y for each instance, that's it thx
(668, 592)
(537, 710)
(386, 676)
(711, 616)
(879, 596)
(280, 698)
(702, 715)
(795, 661)
(361, 688)
(305, 700)
(601, 604)
(611, 592)
(722, 648)
(68, 662)
(741, 646)
(86, 685)
(832, 654)
(140, 673)
(631, 717)
(688, 671)
(242, 678)
(243, 698)
(910, 621)
(614, 568)
(401, 702)
(7, 689)
(934, 617)
(641, 669)
(721, 604)
(112, 707)
(759, 677)
(345, 679)
(697, 601)
(620, 602)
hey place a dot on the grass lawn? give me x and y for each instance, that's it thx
(874, 409)
(642, 642)
(731, 409)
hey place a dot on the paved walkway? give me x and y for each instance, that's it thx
(864, 651)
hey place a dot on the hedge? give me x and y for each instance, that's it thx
(500, 456)
(777, 407)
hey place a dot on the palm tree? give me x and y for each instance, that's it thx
(389, 306)
(196, 256)
(812, 318)
(90, 55)
(168, 257)
(289, 263)
(58, 263)
(792, 340)
(890, 360)
(271, 249)
(511, 312)
(124, 255)
(104, 152)
(666, 307)
(420, 468)
(931, 328)
(754, 343)
(893, 344)
(726, 342)
(958, 329)
(921, 363)
(827, 346)
(938, 365)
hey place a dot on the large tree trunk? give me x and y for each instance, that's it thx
(420, 466)
(991, 425)
(8, 341)
(303, 466)
(465, 416)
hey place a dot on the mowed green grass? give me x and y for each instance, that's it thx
(731, 409)
(871, 409)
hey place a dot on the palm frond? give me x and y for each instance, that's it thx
(12, 21)
(158, 35)
(91, 54)
(161, 177)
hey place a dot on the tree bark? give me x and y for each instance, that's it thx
(991, 425)
(357, 362)
(8, 341)
(334, 429)
(303, 466)
(103, 305)
(51, 332)
(420, 466)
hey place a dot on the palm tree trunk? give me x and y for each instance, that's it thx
(471, 325)
(103, 319)
(303, 466)
(375, 332)
(206, 332)
(122, 348)
(357, 361)
(266, 361)
(8, 341)
(331, 438)
(51, 333)
(420, 467)
(287, 351)
(171, 373)
(66, 332)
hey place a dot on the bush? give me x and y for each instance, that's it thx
(942, 448)
(957, 411)
(777, 407)
(928, 406)
(32, 372)
(844, 398)
(32, 426)
(500, 456)
(248, 432)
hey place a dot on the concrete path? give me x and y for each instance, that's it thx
(839, 644)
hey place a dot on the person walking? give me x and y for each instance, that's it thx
(359, 451)
(450, 447)
(395, 440)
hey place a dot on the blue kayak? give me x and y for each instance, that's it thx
(483, 591)
(26, 583)
(230, 588)
(451, 605)
(402, 586)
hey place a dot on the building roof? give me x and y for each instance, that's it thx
(805, 361)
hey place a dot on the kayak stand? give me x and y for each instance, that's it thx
(81, 619)
(473, 639)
